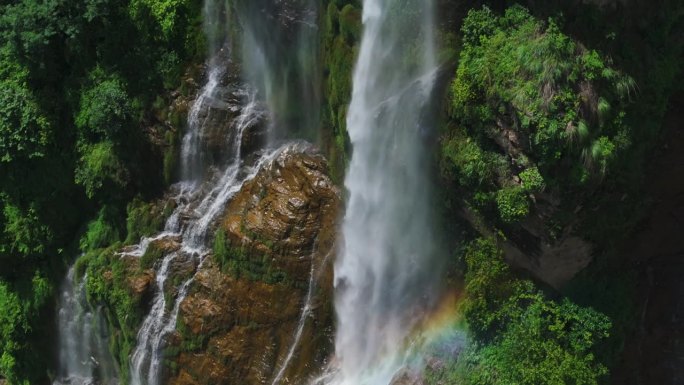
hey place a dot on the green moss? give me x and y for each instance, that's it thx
(340, 44)
(100, 232)
(350, 23)
(152, 255)
(107, 285)
(144, 219)
(241, 263)
(191, 342)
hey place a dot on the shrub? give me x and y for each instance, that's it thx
(169, 14)
(474, 167)
(99, 164)
(143, 220)
(532, 180)
(12, 320)
(520, 337)
(24, 130)
(105, 109)
(523, 73)
(25, 232)
(100, 233)
(513, 204)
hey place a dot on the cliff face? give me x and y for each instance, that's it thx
(241, 321)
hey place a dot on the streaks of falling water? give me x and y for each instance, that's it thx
(386, 275)
(192, 159)
(306, 312)
(147, 356)
(191, 222)
(280, 53)
(83, 355)
(213, 195)
(214, 17)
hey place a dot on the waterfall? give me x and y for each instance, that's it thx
(214, 16)
(83, 355)
(386, 273)
(280, 53)
(279, 57)
(209, 183)
(147, 357)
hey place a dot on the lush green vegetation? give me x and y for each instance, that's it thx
(78, 80)
(108, 284)
(549, 117)
(543, 121)
(519, 336)
(109, 276)
(241, 263)
(531, 109)
(340, 38)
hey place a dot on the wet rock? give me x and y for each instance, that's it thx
(238, 323)
(140, 283)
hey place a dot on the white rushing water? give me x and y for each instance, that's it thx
(267, 98)
(386, 273)
(282, 90)
(146, 360)
(83, 355)
(198, 203)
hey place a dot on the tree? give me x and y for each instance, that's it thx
(24, 129)
(519, 336)
(105, 111)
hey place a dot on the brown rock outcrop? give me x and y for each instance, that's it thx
(240, 320)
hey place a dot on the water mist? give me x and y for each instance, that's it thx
(386, 273)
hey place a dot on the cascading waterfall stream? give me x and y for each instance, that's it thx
(280, 52)
(146, 360)
(208, 181)
(147, 357)
(83, 355)
(385, 275)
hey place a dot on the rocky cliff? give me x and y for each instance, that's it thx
(259, 304)
(241, 322)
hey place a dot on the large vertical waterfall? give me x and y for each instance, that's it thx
(385, 275)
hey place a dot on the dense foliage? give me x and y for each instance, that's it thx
(541, 125)
(531, 108)
(520, 336)
(77, 82)
(340, 38)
